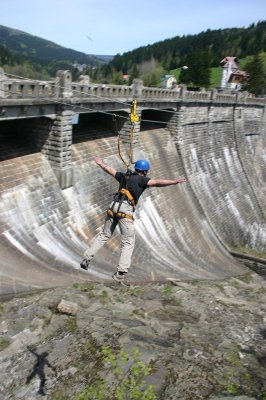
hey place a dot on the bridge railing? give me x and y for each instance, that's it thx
(224, 97)
(18, 89)
(157, 93)
(256, 100)
(63, 86)
(191, 95)
(101, 90)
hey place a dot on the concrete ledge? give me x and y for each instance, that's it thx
(248, 257)
(64, 176)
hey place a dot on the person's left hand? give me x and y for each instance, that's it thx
(181, 180)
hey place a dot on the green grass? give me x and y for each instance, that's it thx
(76, 285)
(216, 75)
(176, 73)
(244, 61)
(71, 324)
(167, 290)
(4, 343)
(124, 378)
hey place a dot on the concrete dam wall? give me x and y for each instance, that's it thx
(182, 231)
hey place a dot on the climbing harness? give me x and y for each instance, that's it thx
(128, 195)
(120, 196)
(119, 214)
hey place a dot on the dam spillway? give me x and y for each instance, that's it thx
(182, 231)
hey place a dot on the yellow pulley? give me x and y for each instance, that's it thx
(133, 115)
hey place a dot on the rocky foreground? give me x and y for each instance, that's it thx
(201, 339)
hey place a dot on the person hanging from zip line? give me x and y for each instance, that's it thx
(121, 211)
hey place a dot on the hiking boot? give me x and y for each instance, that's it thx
(85, 264)
(120, 277)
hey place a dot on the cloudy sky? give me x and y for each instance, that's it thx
(116, 26)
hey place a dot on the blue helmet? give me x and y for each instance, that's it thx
(142, 165)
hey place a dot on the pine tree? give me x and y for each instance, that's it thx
(5, 56)
(257, 71)
(196, 72)
(204, 72)
(134, 73)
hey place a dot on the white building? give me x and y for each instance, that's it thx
(169, 82)
(232, 76)
(229, 65)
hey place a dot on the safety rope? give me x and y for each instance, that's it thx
(134, 118)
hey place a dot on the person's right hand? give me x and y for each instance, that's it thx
(98, 160)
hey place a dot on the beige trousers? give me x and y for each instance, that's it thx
(127, 231)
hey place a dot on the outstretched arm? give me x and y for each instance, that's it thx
(106, 168)
(165, 182)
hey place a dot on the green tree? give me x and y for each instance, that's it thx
(196, 72)
(56, 65)
(203, 77)
(153, 77)
(134, 73)
(117, 78)
(257, 72)
(5, 56)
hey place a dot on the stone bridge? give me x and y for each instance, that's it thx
(53, 197)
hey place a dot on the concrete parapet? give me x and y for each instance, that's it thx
(63, 83)
(63, 87)
(137, 88)
(27, 89)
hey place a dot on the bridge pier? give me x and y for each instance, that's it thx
(53, 137)
(57, 148)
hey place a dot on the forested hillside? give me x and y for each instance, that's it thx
(38, 49)
(172, 53)
(200, 55)
(31, 56)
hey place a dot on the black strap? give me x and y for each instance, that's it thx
(121, 196)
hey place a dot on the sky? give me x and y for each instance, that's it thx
(109, 27)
